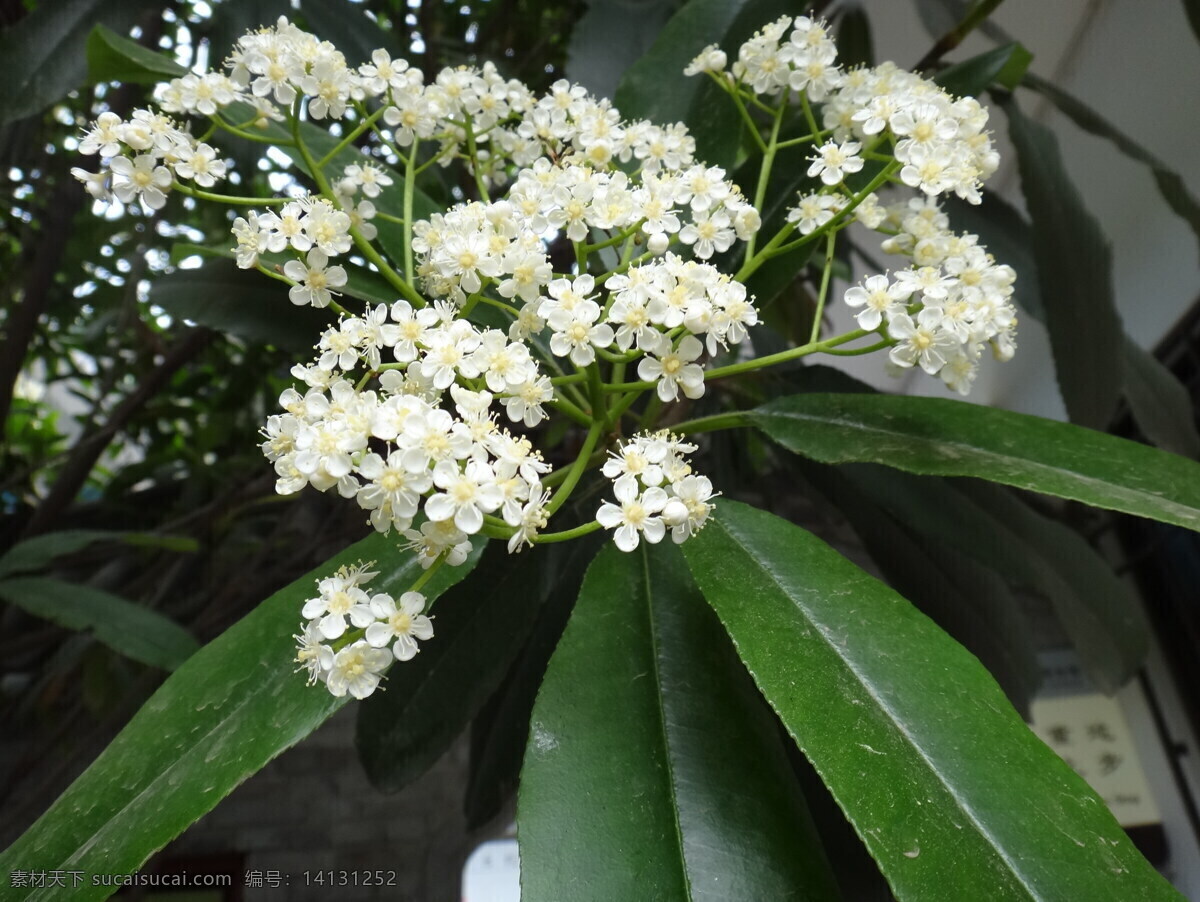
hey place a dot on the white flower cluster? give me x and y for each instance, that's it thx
(656, 490)
(142, 157)
(365, 624)
(944, 309)
(459, 466)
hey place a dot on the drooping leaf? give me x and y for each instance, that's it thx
(241, 303)
(481, 625)
(111, 57)
(228, 710)
(1097, 610)
(1158, 401)
(962, 594)
(952, 794)
(1074, 265)
(43, 56)
(652, 771)
(1170, 185)
(854, 43)
(500, 730)
(131, 629)
(1003, 66)
(952, 438)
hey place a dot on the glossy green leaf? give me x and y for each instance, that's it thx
(1074, 266)
(1170, 185)
(1003, 66)
(481, 625)
(246, 304)
(653, 771)
(940, 437)
(610, 37)
(111, 57)
(131, 629)
(231, 708)
(43, 56)
(951, 792)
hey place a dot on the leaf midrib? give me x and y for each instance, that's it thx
(820, 629)
(1183, 515)
(662, 720)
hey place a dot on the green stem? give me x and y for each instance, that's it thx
(410, 180)
(428, 574)
(250, 136)
(576, 472)
(567, 534)
(352, 136)
(764, 173)
(830, 241)
(712, 423)
(571, 411)
(228, 198)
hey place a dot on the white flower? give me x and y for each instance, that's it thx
(924, 345)
(340, 598)
(674, 369)
(404, 623)
(314, 280)
(357, 669)
(878, 298)
(814, 211)
(140, 177)
(312, 654)
(637, 515)
(711, 59)
(687, 512)
(576, 332)
(468, 495)
(833, 161)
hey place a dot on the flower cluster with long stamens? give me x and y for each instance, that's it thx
(424, 409)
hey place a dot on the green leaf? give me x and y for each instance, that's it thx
(111, 57)
(652, 770)
(1170, 185)
(1074, 266)
(231, 708)
(1003, 66)
(964, 595)
(655, 87)
(854, 43)
(241, 303)
(131, 629)
(480, 626)
(500, 730)
(36, 553)
(1160, 404)
(608, 39)
(1098, 611)
(1101, 615)
(43, 56)
(1192, 8)
(953, 795)
(939, 437)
